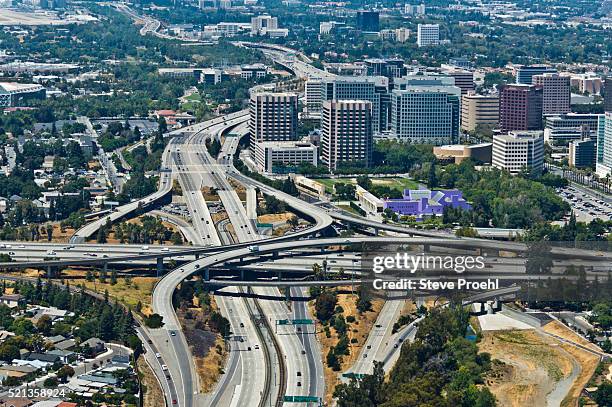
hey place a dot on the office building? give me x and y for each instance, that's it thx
(525, 74)
(368, 21)
(520, 107)
(390, 68)
(560, 130)
(479, 111)
(604, 148)
(414, 10)
(424, 202)
(464, 79)
(608, 94)
(374, 89)
(273, 117)
(479, 153)
(283, 156)
(588, 82)
(461, 63)
(267, 25)
(583, 153)
(425, 110)
(556, 93)
(347, 135)
(17, 94)
(428, 34)
(519, 151)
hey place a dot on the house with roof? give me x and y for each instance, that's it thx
(12, 300)
(65, 356)
(17, 371)
(96, 345)
(65, 345)
(425, 202)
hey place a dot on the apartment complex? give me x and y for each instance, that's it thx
(347, 135)
(520, 107)
(556, 93)
(273, 117)
(518, 151)
(479, 110)
(428, 34)
(425, 109)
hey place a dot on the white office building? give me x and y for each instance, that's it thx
(518, 151)
(282, 156)
(428, 34)
(425, 110)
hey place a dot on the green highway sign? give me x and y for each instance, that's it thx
(300, 399)
(353, 375)
(294, 322)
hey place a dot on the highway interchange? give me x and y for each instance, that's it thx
(265, 362)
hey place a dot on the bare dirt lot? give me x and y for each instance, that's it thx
(532, 365)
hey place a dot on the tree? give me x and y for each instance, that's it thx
(50, 382)
(332, 360)
(364, 182)
(64, 373)
(113, 277)
(603, 395)
(325, 304)
(293, 221)
(154, 321)
(44, 324)
(432, 180)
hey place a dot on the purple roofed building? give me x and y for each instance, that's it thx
(424, 202)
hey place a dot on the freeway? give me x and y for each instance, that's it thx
(165, 186)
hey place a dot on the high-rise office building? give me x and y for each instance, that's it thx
(608, 94)
(556, 93)
(374, 89)
(604, 148)
(425, 110)
(525, 74)
(260, 25)
(520, 107)
(464, 79)
(347, 135)
(273, 117)
(519, 151)
(583, 153)
(428, 34)
(479, 110)
(368, 21)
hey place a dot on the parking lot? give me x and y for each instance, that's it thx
(586, 207)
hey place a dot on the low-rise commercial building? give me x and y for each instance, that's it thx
(16, 94)
(480, 153)
(283, 156)
(425, 202)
